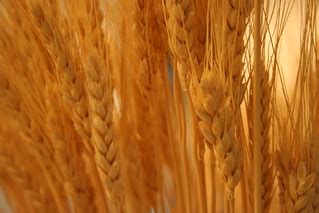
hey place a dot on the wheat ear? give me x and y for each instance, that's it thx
(142, 32)
(236, 13)
(298, 195)
(257, 105)
(180, 25)
(267, 172)
(218, 92)
(217, 127)
(65, 145)
(101, 114)
(67, 66)
(181, 35)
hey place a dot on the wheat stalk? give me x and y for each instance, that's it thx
(298, 195)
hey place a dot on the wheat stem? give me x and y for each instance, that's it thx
(182, 153)
(213, 181)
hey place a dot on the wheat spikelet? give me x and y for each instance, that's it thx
(216, 104)
(66, 148)
(144, 73)
(217, 127)
(266, 164)
(180, 23)
(77, 183)
(236, 14)
(295, 169)
(148, 45)
(67, 66)
(298, 195)
(98, 87)
(100, 109)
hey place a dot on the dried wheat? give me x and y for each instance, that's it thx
(215, 102)
(101, 111)
(67, 65)
(300, 190)
(267, 160)
(181, 35)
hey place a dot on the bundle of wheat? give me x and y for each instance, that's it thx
(130, 106)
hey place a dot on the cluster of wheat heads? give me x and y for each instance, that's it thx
(157, 106)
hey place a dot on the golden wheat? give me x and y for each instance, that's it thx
(100, 110)
(67, 68)
(181, 32)
(128, 106)
(266, 146)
